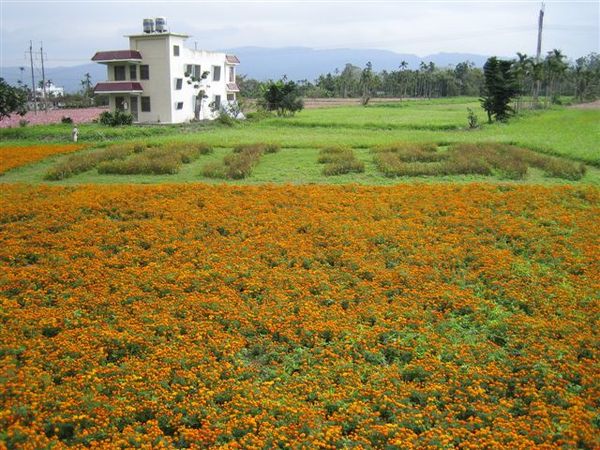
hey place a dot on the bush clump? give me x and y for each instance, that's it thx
(339, 160)
(408, 152)
(240, 163)
(506, 161)
(151, 162)
(83, 162)
(154, 161)
(115, 118)
(260, 147)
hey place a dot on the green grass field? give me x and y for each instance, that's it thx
(570, 133)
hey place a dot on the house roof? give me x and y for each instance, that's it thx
(233, 87)
(232, 59)
(116, 87)
(116, 55)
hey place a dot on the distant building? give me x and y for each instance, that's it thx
(52, 91)
(160, 80)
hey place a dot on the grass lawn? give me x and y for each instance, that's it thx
(570, 133)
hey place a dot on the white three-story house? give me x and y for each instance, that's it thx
(159, 80)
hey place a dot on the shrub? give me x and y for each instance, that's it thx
(472, 119)
(507, 161)
(139, 148)
(555, 167)
(258, 115)
(86, 161)
(225, 119)
(204, 149)
(339, 160)
(344, 166)
(259, 147)
(214, 169)
(115, 118)
(23, 123)
(272, 148)
(240, 163)
(66, 119)
(156, 161)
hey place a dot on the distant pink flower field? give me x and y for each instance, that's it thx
(53, 116)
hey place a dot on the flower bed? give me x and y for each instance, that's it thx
(440, 316)
(16, 156)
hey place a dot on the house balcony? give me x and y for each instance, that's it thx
(232, 87)
(118, 87)
(118, 56)
(232, 60)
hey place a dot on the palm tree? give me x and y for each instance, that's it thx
(555, 68)
(522, 70)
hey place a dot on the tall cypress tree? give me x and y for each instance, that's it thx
(500, 87)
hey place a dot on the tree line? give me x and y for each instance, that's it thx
(538, 82)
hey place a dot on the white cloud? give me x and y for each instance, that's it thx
(72, 32)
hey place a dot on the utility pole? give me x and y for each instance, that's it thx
(32, 77)
(539, 40)
(539, 52)
(43, 78)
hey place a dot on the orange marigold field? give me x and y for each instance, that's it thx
(16, 156)
(418, 316)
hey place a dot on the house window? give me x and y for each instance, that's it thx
(178, 83)
(231, 74)
(179, 105)
(230, 97)
(144, 72)
(188, 70)
(217, 102)
(145, 104)
(176, 50)
(216, 73)
(133, 72)
(119, 73)
(197, 73)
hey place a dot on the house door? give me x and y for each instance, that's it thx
(134, 108)
(119, 103)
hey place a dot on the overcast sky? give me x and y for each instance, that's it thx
(73, 30)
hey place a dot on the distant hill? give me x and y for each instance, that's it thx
(298, 63)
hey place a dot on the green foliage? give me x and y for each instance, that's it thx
(283, 97)
(115, 118)
(500, 88)
(472, 119)
(82, 162)
(506, 161)
(240, 163)
(339, 160)
(154, 161)
(12, 100)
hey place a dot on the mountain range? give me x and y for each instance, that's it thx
(297, 63)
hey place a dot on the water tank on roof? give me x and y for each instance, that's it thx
(161, 24)
(148, 25)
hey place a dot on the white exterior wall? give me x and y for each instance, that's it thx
(155, 53)
(206, 60)
(165, 68)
